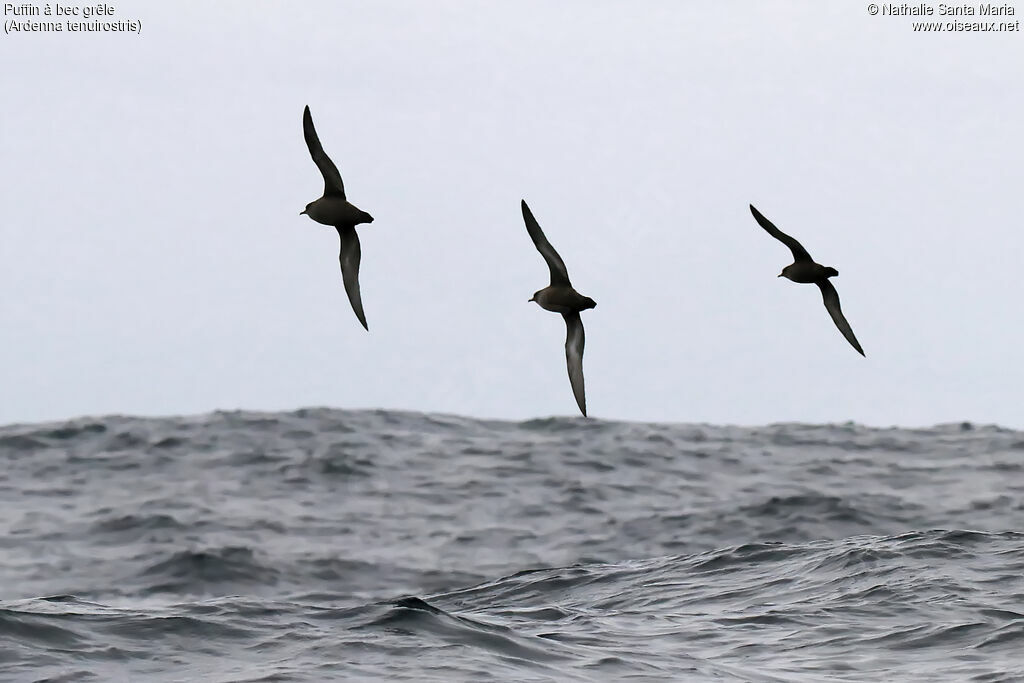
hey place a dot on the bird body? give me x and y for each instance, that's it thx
(807, 273)
(562, 299)
(334, 211)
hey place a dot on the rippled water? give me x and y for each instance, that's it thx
(324, 545)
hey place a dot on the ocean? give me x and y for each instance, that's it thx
(322, 545)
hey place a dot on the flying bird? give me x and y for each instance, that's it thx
(560, 297)
(805, 270)
(334, 209)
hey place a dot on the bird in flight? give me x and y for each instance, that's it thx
(560, 297)
(334, 209)
(805, 270)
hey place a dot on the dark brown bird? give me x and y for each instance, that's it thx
(805, 270)
(560, 297)
(334, 209)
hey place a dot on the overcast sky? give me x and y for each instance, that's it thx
(154, 260)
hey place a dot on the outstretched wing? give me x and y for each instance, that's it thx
(349, 258)
(332, 178)
(574, 340)
(559, 274)
(799, 253)
(831, 297)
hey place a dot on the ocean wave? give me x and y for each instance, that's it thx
(385, 545)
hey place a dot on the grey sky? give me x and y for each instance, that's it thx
(154, 260)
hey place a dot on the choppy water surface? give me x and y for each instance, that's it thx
(328, 545)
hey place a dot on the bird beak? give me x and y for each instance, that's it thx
(530, 299)
(302, 212)
(779, 275)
